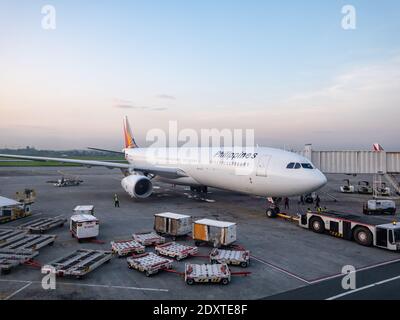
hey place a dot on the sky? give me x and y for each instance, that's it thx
(286, 69)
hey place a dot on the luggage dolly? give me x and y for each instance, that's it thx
(149, 263)
(148, 238)
(176, 250)
(126, 247)
(203, 273)
(230, 257)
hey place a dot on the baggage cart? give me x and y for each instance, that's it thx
(28, 241)
(203, 273)
(172, 224)
(214, 232)
(42, 225)
(176, 250)
(230, 257)
(126, 247)
(10, 258)
(78, 263)
(148, 238)
(149, 263)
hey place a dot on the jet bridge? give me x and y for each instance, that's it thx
(357, 162)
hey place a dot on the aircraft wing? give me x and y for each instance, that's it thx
(159, 171)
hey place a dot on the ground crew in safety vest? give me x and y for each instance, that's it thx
(116, 201)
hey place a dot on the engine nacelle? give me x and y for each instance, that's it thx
(137, 186)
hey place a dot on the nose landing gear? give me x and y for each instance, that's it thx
(273, 207)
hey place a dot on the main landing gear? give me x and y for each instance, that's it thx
(273, 209)
(199, 192)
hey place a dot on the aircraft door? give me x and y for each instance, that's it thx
(262, 165)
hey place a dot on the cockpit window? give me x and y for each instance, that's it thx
(297, 166)
(290, 165)
(307, 166)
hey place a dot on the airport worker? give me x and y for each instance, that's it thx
(116, 201)
(286, 203)
(302, 200)
(317, 202)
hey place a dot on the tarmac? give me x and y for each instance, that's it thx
(287, 262)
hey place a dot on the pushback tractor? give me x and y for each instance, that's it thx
(365, 230)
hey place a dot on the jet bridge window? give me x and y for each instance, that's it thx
(307, 166)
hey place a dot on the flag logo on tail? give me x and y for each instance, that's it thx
(129, 140)
(377, 147)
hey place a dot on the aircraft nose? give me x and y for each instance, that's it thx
(319, 180)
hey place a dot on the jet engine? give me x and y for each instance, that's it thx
(137, 186)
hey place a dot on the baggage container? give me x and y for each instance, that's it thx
(85, 209)
(84, 226)
(217, 233)
(172, 224)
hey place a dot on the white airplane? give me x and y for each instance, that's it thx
(257, 171)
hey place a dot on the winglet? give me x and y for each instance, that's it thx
(129, 140)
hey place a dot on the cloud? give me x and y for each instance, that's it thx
(144, 108)
(166, 96)
(159, 109)
(370, 87)
(128, 106)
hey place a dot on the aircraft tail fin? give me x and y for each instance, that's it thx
(129, 140)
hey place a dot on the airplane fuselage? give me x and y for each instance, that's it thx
(256, 171)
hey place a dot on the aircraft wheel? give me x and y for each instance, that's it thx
(272, 212)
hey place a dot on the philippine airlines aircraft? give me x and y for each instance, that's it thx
(258, 171)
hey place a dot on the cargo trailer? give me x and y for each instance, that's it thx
(204, 273)
(172, 224)
(214, 232)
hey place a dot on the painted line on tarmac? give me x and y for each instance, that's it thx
(363, 288)
(87, 285)
(18, 291)
(111, 286)
(357, 270)
(281, 270)
(314, 281)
